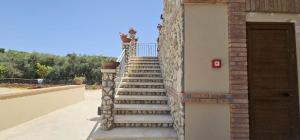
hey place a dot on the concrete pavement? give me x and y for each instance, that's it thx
(70, 123)
(4, 90)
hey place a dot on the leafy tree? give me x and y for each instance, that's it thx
(2, 50)
(43, 70)
(3, 71)
(54, 68)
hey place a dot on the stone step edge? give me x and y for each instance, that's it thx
(147, 62)
(143, 119)
(144, 78)
(158, 69)
(141, 98)
(135, 133)
(141, 107)
(144, 74)
(142, 83)
(142, 90)
(144, 57)
(132, 66)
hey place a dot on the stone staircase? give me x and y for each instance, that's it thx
(141, 100)
(141, 110)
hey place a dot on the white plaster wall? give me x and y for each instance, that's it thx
(207, 122)
(206, 38)
(272, 17)
(17, 110)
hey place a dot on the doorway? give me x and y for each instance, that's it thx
(273, 81)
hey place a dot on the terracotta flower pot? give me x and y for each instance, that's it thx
(111, 65)
(125, 39)
(78, 82)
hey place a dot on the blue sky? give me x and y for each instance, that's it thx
(81, 26)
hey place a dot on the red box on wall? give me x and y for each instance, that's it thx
(216, 63)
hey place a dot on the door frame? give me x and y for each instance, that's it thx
(293, 59)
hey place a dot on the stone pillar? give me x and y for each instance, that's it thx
(133, 48)
(108, 93)
(132, 35)
(126, 47)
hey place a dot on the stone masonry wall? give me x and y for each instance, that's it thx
(170, 45)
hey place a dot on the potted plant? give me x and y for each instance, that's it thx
(159, 26)
(124, 38)
(110, 64)
(78, 80)
(132, 31)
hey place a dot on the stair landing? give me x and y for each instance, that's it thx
(136, 134)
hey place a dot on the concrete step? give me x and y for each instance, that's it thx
(143, 70)
(143, 63)
(141, 90)
(148, 78)
(140, 99)
(129, 68)
(143, 119)
(143, 74)
(142, 83)
(143, 93)
(143, 79)
(147, 57)
(135, 134)
(143, 60)
(141, 109)
(149, 98)
(143, 67)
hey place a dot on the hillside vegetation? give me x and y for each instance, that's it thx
(17, 64)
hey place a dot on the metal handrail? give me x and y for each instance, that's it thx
(120, 70)
(146, 49)
(121, 56)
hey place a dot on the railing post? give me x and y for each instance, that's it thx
(108, 93)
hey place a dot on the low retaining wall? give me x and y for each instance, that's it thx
(22, 106)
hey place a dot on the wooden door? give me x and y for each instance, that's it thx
(273, 82)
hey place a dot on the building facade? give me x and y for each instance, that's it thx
(231, 68)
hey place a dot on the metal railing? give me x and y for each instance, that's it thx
(68, 81)
(120, 70)
(146, 49)
(141, 49)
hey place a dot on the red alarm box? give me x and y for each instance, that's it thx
(216, 63)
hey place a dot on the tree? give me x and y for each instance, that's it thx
(2, 50)
(43, 70)
(51, 67)
(3, 71)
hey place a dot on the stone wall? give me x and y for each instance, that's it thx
(170, 45)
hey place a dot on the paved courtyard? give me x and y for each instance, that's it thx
(74, 122)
